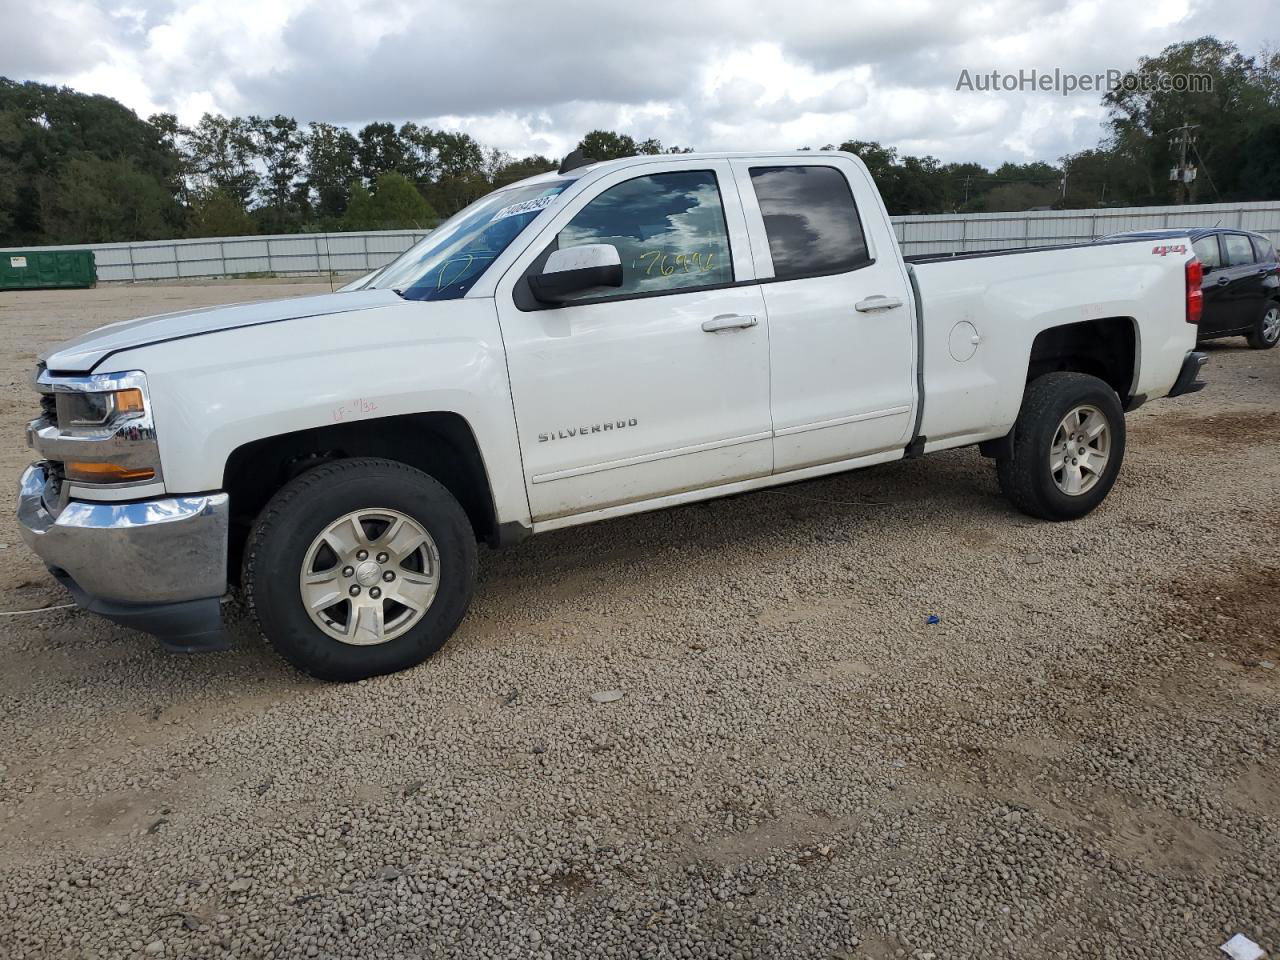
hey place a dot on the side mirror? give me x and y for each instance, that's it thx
(576, 270)
(1206, 269)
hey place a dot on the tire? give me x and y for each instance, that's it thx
(312, 521)
(1027, 476)
(1266, 332)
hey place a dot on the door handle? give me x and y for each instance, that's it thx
(877, 303)
(1223, 281)
(728, 321)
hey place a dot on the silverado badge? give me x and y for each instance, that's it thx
(584, 430)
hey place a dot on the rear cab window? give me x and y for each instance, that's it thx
(810, 219)
(1238, 249)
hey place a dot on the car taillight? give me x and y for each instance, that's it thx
(1195, 297)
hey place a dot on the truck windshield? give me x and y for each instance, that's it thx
(446, 263)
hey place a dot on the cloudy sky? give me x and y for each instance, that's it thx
(533, 76)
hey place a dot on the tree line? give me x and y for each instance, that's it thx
(81, 168)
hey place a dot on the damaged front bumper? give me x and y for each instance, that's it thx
(154, 565)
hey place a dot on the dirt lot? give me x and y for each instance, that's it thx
(1080, 760)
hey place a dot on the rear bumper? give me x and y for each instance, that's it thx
(1187, 381)
(154, 565)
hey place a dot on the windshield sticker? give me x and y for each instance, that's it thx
(524, 206)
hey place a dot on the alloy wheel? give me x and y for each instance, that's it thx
(370, 576)
(1080, 450)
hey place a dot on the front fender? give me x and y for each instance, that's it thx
(216, 392)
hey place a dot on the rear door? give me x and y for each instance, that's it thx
(1243, 292)
(661, 386)
(841, 329)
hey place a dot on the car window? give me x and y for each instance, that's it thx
(1207, 253)
(1238, 249)
(1265, 250)
(669, 229)
(810, 219)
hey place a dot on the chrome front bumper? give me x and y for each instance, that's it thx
(145, 553)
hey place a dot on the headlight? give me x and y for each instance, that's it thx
(102, 431)
(98, 409)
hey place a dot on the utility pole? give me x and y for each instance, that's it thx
(1184, 174)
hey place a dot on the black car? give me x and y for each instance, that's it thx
(1241, 282)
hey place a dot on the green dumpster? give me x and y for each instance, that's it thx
(40, 269)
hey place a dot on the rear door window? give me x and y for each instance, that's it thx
(1264, 249)
(810, 219)
(1238, 249)
(1207, 253)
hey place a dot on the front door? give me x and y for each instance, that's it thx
(659, 387)
(1214, 316)
(841, 328)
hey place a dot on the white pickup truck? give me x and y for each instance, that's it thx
(610, 338)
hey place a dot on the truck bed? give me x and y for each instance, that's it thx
(982, 311)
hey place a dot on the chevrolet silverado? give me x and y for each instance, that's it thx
(609, 338)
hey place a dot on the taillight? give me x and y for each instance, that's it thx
(1195, 297)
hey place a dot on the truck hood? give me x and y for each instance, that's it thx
(84, 353)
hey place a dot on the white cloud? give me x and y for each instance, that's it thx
(531, 78)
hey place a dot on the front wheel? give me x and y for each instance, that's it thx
(1068, 444)
(1266, 333)
(360, 567)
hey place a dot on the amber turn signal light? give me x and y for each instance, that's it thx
(129, 401)
(107, 472)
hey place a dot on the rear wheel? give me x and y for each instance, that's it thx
(1266, 333)
(360, 567)
(1067, 448)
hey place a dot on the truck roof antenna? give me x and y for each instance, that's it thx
(574, 160)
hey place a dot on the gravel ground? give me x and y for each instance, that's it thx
(1079, 760)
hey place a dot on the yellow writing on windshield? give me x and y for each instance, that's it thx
(457, 268)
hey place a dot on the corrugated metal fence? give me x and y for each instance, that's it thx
(356, 253)
(958, 233)
(296, 253)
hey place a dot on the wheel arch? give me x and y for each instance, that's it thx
(1107, 348)
(441, 444)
